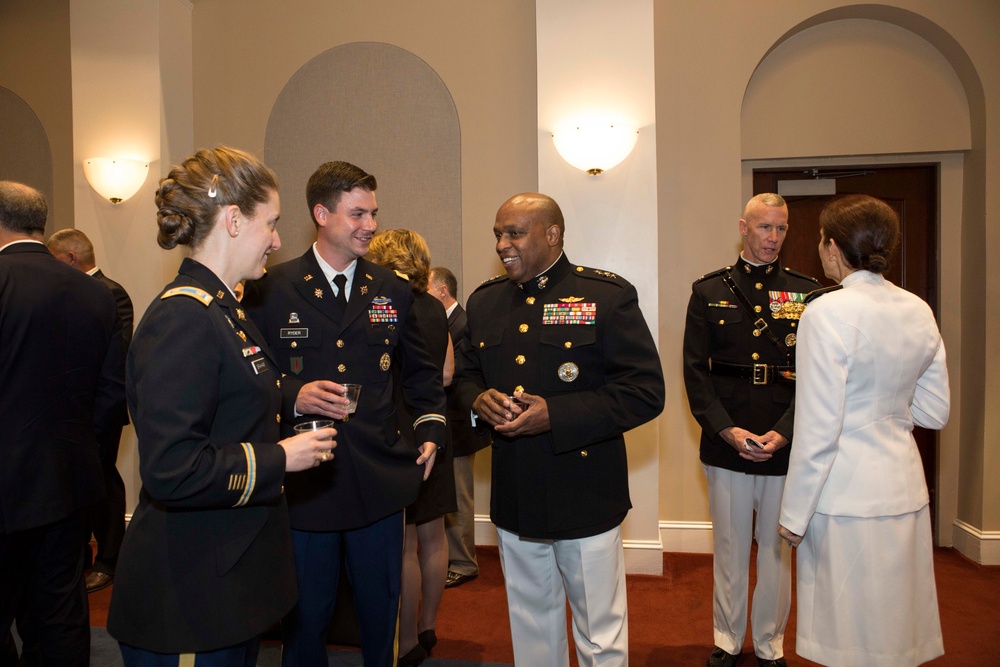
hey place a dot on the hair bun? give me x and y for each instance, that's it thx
(176, 228)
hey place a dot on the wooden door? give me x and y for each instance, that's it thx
(913, 192)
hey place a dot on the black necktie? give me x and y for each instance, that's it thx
(340, 302)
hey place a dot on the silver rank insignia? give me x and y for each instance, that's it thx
(569, 372)
(293, 318)
(790, 340)
(542, 282)
(384, 362)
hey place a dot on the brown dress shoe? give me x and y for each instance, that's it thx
(98, 580)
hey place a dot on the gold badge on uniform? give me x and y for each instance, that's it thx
(220, 294)
(790, 340)
(542, 282)
(384, 361)
(307, 277)
(240, 314)
(569, 372)
(242, 335)
(364, 289)
(318, 293)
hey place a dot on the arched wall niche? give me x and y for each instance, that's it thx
(969, 384)
(25, 155)
(387, 111)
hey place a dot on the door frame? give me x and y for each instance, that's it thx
(949, 294)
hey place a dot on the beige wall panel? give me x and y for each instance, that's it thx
(854, 86)
(35, 66)
(245, 51)
(382, 108)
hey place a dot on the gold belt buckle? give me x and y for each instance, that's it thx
(761, 374)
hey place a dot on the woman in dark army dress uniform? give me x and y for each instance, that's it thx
(207, 564)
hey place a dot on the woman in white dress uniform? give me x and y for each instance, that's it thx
(870, 365)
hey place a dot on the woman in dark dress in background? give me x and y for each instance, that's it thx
(425, 550)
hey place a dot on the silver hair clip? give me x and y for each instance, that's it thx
(213, 189)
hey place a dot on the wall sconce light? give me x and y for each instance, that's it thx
(595, 147)
(115, 179)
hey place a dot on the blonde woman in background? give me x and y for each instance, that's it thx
(425, 549)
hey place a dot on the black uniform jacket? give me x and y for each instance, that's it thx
(207, 558)
(576, 337)
(465, 440)
(719, 329)
(61, 382)
(374, 472)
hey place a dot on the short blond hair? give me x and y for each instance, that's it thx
(403, 250)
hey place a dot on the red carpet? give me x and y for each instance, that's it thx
(670, 616)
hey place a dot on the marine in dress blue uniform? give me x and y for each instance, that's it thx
(737, 377)
(570, 340)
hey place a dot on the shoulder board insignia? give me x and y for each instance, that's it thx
(816, 293)
(599, 274)
(403, 276)
(801, 275)
(714, 273)
(495, 280)
(193, 292)
(571, 299)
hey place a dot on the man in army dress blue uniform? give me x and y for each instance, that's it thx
(739, 373)
(560, 364)
(331, 317)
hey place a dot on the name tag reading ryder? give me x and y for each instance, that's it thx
(294, 333)
(259, 366)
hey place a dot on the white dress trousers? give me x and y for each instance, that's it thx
(541, 574)
(733, 498)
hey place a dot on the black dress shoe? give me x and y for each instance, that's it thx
(780, 662)
(428, 639)
(414, 656)
(456, 579)
(98, 580)
(720, 658)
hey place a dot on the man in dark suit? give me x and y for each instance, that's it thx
(61, 367)
(332, 317)
(107, 518)
(561, 363)
(465, 441)
(739, 373)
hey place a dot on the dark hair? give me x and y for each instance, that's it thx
(403, 250)
(443, 275)
(22, 208)
(193, 192)
(866, 230)
(331, 180)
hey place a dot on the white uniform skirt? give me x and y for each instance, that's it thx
(865, 591)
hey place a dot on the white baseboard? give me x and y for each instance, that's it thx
(686, 536)
(980, 546)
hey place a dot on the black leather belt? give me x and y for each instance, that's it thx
(757, 373)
